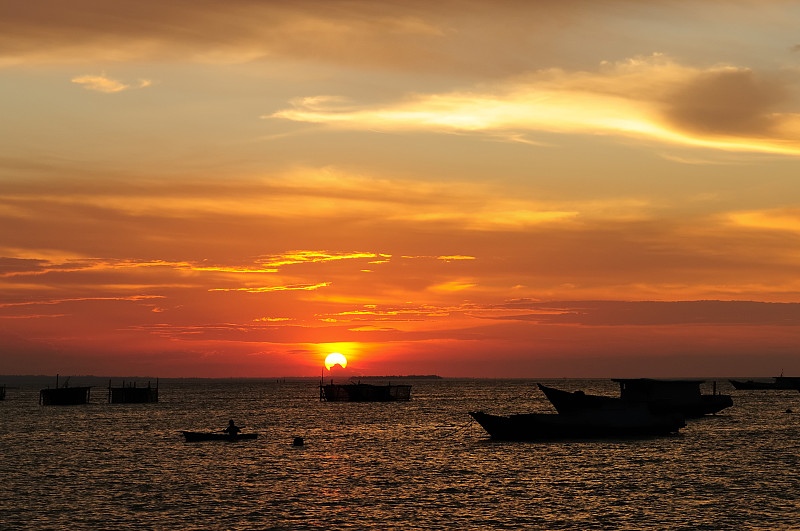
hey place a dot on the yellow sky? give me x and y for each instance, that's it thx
(466, 188)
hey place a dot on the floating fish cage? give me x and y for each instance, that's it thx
(130, 394)
(64, 396)
(361, 392)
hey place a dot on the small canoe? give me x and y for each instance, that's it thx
(195, 436)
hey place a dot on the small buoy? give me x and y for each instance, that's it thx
(298, 441)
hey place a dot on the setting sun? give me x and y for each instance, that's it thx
(335, 359)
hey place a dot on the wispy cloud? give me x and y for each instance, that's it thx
(783, 219)
(327, 193)
(306, 257)
(661, 313)
(102, 83)
(453, 286)
(409, 34)
(265, 289)
(134, 298)
(652, 98)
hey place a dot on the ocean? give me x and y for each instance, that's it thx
(421, 464)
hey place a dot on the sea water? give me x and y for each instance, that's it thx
(421, 464)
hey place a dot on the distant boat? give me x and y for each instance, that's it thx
(777, 383)
(673, 396)
(361, 392)
(589, 424)
(3, 392)
(64, 396)
(196, 436)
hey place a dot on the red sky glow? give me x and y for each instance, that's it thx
(470, 189)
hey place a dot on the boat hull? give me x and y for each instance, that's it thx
(706, 405)
(549, 426)
(196, 436)
(568, 403)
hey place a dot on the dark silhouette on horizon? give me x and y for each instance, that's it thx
(64, 396)
(130, 394)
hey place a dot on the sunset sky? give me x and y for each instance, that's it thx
(466, 188)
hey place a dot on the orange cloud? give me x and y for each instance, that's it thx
(306, 257)
(105, 84)
(637, 246)
(304, 287)
(651, 98)
(784, 219)
(326, 193)
(453, 285)
(135, 298)
(414, 34)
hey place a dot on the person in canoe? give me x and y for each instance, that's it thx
(233, 430)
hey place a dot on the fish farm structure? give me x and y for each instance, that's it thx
(130, 394)
(64, 396)
(361, 392)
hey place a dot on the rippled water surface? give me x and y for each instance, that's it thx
(413, 465)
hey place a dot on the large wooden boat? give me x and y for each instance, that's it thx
(362, 392)
(584, 425)
(196, 436)
(664, 397)
(673, 396)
